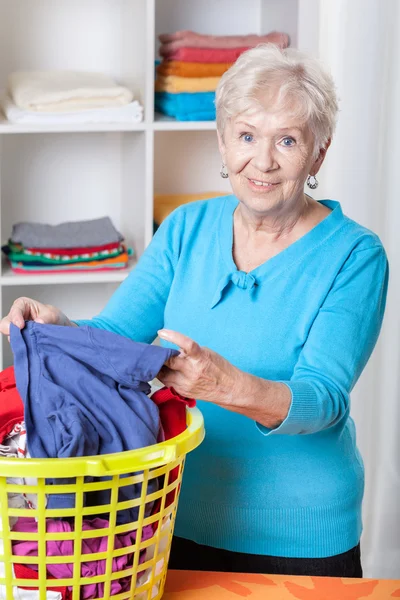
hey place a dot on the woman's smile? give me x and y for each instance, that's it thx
(261, 186)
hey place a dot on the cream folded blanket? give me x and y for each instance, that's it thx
(54, 91)
(129, 113)
(175, 84)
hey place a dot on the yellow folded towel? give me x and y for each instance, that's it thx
(164, 204)
(175, 84)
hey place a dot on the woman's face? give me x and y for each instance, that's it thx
(268, 154)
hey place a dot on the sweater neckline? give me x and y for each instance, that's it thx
(278, 263)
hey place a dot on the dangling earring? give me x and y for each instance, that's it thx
(312, 182)
(223, 172)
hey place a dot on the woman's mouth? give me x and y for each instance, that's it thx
(261, 185)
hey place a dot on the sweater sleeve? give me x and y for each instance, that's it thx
(136, 309)
(339, 344)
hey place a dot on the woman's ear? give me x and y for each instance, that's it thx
(320, 158)
(221, 146)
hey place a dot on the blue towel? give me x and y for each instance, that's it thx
(85, 393)
(187, 106)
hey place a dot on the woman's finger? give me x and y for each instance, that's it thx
(5, 326)
(185, 343)
(22, 309)
(175, 363)
(16, 316)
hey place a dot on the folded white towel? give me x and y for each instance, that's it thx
(130, 113)
(54, 91)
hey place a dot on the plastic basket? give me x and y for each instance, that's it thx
(146, 559)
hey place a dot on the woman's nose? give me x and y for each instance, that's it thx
(264, 158)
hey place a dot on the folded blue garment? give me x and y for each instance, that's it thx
(187, 106)
(85, 393)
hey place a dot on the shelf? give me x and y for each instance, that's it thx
(12, 279)
(13, 128)
(164, 123)
(161, 123)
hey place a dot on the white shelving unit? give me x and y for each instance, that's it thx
(59, 172)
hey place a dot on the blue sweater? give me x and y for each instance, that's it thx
(308, 317)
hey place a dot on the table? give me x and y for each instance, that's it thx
(197, 585)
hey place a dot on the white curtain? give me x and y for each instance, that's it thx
(360, 43)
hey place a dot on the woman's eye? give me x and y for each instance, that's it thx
(288, 142)
(247, 137)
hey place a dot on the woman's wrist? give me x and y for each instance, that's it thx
(262, 400)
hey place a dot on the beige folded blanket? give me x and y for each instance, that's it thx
(54, 91)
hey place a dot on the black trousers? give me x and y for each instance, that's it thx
(189, 556)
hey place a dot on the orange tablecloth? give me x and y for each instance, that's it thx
(196, 585)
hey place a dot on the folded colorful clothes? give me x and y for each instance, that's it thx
(192, 69)
(174, 84)
(28, 258)
(37, 267)
(94, 232)
(186, 106)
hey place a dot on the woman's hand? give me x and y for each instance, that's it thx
(26, 309)
(203, 374)
(198, 372)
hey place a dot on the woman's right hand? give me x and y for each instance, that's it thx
(26, 309)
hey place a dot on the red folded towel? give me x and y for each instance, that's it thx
(207, 55)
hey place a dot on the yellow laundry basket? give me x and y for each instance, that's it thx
(146, 559)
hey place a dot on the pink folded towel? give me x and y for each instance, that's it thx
(171, 42)
(207, 55)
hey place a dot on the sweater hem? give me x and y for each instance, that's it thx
(304, 532)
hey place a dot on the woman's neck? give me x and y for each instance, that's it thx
(274, 225)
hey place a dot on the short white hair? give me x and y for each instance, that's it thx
(297, 76)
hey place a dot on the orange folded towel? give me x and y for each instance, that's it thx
(192, 69)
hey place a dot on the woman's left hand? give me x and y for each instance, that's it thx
(198, 372)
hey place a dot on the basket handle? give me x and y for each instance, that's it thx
(103, 466)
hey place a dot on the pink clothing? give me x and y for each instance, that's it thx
(171, 42)
(20, 271)
(89, 546)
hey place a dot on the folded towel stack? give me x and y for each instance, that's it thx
(76, 246)
(164, 204)
(50, 97)
(192, 66)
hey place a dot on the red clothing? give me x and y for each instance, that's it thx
(77, 250)
(24, 572)
(207, 55)
(11, 406)
(172, 408)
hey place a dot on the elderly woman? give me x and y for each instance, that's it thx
(276, 301)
